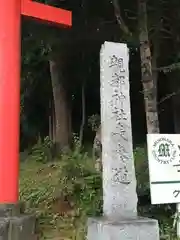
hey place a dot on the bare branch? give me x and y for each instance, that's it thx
(130, 11)
(132, 18)
(117, 12)
(166, 31)
(166, 97)
(169, 96)
(169, 68)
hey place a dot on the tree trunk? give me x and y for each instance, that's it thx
(154, 65)
(83, 115)
(176, 107)
(97, 150)
(146, 71)
(50, 122)
(53, 124)
(62, 133)
(174, 84)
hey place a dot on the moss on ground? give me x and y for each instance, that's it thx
(63, 193)
(39, 187)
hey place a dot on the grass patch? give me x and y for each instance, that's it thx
(39, 188)
(61, 194)
(65, 192)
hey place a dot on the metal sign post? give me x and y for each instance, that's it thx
(164, 170)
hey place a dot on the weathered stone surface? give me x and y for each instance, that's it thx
(119, 181)
(4, 226)
(120, 221)
(22, 227)
(9, 210)
(14, 225)
(134, 229)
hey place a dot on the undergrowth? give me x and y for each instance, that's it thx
(63, 193)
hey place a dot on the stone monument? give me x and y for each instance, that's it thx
(120, 220)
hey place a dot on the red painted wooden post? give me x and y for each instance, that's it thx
(9, 98)
(10, 52)
(46, 13)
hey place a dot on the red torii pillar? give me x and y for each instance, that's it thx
(10, 65)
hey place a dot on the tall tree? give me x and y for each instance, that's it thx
(149, 89)
(61, 106)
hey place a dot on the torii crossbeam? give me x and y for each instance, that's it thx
(10, 65)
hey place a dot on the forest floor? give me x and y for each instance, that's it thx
(42, 185)
(39, 189)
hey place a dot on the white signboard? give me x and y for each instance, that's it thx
(164, 167)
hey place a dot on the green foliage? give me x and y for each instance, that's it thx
(37, 187)
(82, 182)
(167, 232)
(74, 178)
(164, 213)
(42, 150)
(142, 172)
(94, 122)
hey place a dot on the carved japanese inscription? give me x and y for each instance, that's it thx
(119, 182)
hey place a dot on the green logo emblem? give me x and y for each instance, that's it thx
(164, 151)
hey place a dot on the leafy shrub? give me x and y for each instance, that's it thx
(42, 150)
(38, 184)
(142, 170)
(81, 181)
(163, 212)
(74, 177)
(94, 122)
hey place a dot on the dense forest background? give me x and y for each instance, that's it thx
(60, 106)
(60, 84)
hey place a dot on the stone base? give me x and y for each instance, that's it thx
(14, 225)
(136, 229)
